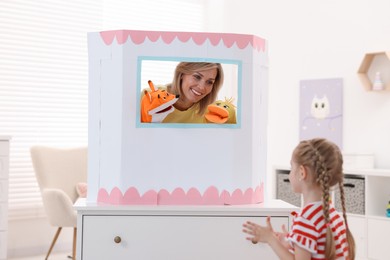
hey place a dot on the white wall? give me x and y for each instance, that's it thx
(313, 40)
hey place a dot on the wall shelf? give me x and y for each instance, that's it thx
(371, 64)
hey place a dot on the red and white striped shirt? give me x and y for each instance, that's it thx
(309, 231)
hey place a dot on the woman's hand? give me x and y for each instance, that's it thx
(259, 233)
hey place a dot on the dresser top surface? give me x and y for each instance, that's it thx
(271, 207)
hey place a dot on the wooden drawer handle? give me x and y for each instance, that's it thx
(117, 239)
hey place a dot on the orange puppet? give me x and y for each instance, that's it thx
(156, 104)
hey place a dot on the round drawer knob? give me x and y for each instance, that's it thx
(117, 239)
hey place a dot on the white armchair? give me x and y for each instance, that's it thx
(58, 171)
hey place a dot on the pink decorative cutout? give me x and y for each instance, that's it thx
(132, 197)
(179, 197)
(138, 37)
(103, 196)
(211, 197)
(194, 196)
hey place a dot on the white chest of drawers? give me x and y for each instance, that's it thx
(4, 173)
(174, 232)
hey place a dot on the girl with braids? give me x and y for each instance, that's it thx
(318, 230)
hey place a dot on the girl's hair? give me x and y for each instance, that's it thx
(190, 68)
(324, 160)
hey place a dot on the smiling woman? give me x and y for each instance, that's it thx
(197, 85)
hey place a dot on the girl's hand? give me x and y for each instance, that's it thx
(282, 237)
(259, 233)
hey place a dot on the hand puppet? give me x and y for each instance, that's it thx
(221, 112)
(156, 104)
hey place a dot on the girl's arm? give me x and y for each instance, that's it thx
(284, 253)
(267, 235)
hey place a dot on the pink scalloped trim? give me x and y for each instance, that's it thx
(179, 197)
(138, 37)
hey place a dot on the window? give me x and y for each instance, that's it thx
(44, 73)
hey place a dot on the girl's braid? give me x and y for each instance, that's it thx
(323, 179)
(342, 198)
(350, 239)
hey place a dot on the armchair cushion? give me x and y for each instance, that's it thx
(59, 208)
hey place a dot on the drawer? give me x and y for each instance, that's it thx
(378, 231)
(4, 167)
(3, 245)
(354, 195)
(3, 191)
(284, 191)
(172, 237)
(358, 227)
(4, 148)
(3, 216)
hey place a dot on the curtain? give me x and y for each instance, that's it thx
(44, 73)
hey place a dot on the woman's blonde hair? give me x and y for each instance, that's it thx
(190, 68)
(324, 160)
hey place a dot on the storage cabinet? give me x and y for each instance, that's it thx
(4, 172)
(354, 192)
(283, 188)
(358, 227)
(174, 232)
(378, 231)
(367, 193)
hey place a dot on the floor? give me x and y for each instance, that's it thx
(57, 256)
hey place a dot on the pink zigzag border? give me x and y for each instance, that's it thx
(179, 197)
(138, 37)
